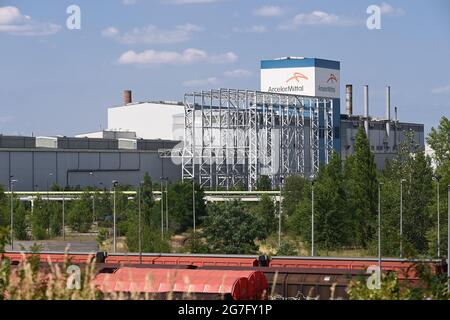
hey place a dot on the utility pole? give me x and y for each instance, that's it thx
(161, 202)
(448, 241)
(312, 218)
(63, 218)
(114, 183)
(438, 178)
(140, 224)
(401, 217)
(11, 189)
(193, 212)
(379, 232)
(280, 212)
(167, 205)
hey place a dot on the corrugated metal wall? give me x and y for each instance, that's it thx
(36, 168)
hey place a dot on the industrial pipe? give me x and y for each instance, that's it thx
(366, 109)
(349, 99)
(388, 111)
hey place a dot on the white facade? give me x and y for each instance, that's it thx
(150, 120)
(301, 76)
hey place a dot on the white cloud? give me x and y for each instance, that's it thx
(13, 22)
(238, 73)
(252, 29)
(6, 119)
(387, 9)
(129, 2)
(152, 34)
(269, 11)
(317, 18)
(188, 56)
(201, 83)
(440, 90)
(190, 1)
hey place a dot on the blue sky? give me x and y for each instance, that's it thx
(56, 81)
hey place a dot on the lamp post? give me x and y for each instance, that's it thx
(91, 174)
(193, 212)
(11, 189)
(379, 232)
(280, 212)
(167, 205)
(161, 202)
(401, 217)
(438, 178)
(63, 218)
(140, 224)
(448, 241)
(114, 184)
(312, 218)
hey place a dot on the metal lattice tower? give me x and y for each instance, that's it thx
(232, 137)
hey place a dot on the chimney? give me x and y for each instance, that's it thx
(388, 110)
(349, 98)
(127, 97)
(396, 114)
(366, 109)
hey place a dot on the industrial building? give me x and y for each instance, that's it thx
(221, 138)
(37, 163)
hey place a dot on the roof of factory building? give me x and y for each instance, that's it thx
(161, 102)
(73, 143)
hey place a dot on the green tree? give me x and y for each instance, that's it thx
(40, 220)
(229, 229)
(180, 206)
(414, 168)
(293, 193)
(264, 184)
(20, 222)
(265, 213)
(439, 141)
(332, 223)
(362, 187)
(79, 213)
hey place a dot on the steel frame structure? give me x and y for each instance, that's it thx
(232, 137)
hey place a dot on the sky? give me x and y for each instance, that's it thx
(57, 80)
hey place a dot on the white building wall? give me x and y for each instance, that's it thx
(148, 120)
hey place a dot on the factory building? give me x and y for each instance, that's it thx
(37, 163)
(222, 138)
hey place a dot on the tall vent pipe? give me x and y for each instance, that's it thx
(388, 111)
(366, 109)
(127, 97)
(349, 98)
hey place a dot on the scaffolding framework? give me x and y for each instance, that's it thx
(233, 137)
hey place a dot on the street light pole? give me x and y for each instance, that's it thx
(438, 222)
(161, 202)
(401, 217)
(11, 188)
(193, 210)
(140, 225)
(379, 233)
(63, 218)
(312, 218)
(448, 241)
(115, 182)
(167, 205)
(280, 212)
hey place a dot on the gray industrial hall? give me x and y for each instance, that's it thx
(37, 163)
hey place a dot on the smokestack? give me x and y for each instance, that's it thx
(127, 97)
(349, 98)
(366, 109)
(396, 114)
(388, 110)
